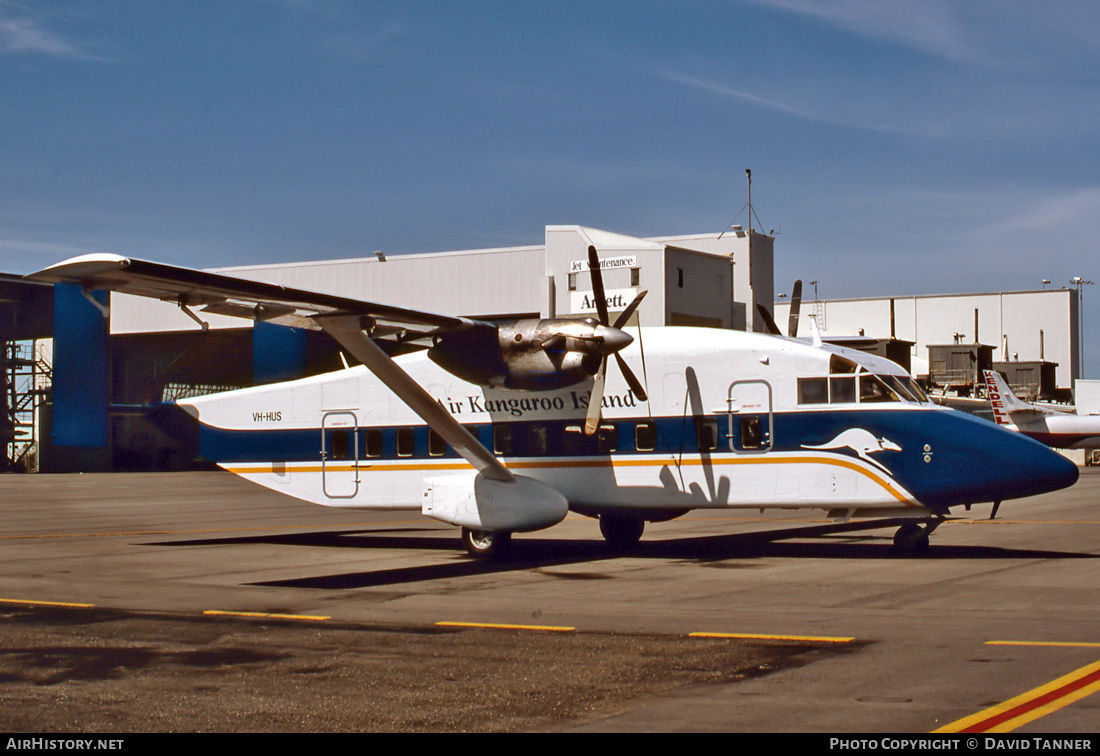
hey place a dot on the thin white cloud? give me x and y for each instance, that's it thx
(850, 117)
(23, 35)
(933, 26)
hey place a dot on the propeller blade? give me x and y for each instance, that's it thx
(796, 305)
(597, 284)
(595, 399)
(768, 321)
(630, 308)
(631, 379)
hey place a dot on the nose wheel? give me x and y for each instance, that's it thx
(912, 538)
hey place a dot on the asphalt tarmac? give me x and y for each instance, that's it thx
(197, 602)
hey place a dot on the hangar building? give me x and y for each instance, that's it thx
(157, 351)
(1020, 333)
(107, 371)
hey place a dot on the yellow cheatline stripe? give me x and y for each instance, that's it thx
(46, 603)
(763, 636)
(1029, 706)
(609, 462)
(265, 615)
(1056, 644)
(494, 626)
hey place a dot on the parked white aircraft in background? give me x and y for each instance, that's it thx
(1061, 430)
(506, 427)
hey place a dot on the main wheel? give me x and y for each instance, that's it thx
(484, 544)
(621, 531)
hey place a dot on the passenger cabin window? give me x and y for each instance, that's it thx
(406, 442)
(706, 434)
(437, 447)
(607, 436)
(502, 439)
(813, 390)
(373, 442)
(842, 389)
(573, 440)
(645, 436)
(576, 442)
(536, 440)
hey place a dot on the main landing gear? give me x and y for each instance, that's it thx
(912, 539)
(484, 544)
(620, 530)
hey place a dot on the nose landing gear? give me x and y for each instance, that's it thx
(912, 538)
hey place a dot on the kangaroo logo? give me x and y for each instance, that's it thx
(862, 442)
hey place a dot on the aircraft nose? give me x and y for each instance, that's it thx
(614, 339)
(1024, 467)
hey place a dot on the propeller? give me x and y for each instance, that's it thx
(796, 305)
(792, 321)
(613, 339)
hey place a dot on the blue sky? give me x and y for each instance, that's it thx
(896, 147)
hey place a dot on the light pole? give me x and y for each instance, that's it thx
(1078, 282)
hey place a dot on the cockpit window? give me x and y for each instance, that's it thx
(848, 382)
(905, 387)
(840, 365)
(873, 389)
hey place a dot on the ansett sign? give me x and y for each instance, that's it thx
(617, 299)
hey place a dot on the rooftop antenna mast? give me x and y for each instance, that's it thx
(748, 177)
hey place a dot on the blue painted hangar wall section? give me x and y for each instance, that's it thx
(80, 414)
(81, 380)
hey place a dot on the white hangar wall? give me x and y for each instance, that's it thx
(695, 279)
(1020, 325)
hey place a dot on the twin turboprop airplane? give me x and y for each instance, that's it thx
(1061, 430)
(501, 428)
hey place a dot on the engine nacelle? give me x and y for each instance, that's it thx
(530, 354)
(473, 501)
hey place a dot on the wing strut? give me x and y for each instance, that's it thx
(346, 330)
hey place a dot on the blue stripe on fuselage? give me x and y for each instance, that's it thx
(946, 458)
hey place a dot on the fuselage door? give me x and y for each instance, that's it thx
(750, 421)
(340, 454)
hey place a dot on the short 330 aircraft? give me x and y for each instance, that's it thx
(501, 428)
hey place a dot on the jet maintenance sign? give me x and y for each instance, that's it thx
(611, 263)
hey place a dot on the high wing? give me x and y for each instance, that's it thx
(355, 324)
(238, 297)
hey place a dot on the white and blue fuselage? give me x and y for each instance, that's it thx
(732, 420)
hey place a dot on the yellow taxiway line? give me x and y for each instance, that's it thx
(494, 626)
(766, 636)
(265, 615)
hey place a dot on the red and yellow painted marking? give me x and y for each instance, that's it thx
(1029, 706)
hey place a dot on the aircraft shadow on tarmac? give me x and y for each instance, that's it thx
(833, 541)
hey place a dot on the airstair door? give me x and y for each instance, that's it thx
(751, 423)
(340, 455)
